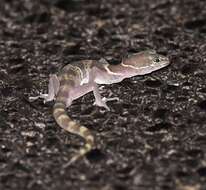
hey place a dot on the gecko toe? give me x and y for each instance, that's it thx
(102, 104)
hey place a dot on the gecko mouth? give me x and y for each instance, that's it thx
(166, 61)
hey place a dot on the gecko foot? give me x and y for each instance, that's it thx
(102, 103)
(42, 96)
(110, 99)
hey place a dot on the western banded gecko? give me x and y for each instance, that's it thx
(81, 77)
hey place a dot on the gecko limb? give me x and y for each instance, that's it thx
(98, 100)
(53, 88)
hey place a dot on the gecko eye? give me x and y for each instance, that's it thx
(157, 60)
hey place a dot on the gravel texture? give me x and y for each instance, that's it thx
(154, 137)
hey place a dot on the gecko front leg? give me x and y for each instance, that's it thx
(99, 101)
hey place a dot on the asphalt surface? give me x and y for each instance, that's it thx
(154, 137)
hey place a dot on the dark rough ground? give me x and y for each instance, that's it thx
(153, 138)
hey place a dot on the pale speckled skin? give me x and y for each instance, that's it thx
(81, 77)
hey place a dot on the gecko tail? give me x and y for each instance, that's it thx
(82, 152)
(63, 120)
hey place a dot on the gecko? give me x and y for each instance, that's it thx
(78, 78)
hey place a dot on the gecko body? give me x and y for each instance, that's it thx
(81, 77)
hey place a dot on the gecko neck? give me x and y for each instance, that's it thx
(121, 70)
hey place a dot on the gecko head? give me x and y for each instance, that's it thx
(146, 61)
(156, 60)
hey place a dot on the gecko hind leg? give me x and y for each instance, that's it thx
(53, 89)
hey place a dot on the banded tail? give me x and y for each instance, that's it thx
(63, 120)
